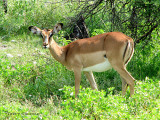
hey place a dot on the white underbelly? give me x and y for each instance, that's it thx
(104, 66)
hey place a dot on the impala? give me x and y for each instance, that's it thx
(95, 54)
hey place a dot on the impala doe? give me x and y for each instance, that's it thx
(95, 54)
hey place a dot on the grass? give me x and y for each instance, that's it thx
(34, 86)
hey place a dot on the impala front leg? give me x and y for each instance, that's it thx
(77, 75)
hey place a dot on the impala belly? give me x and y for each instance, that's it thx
(96, 62)
(104, 66)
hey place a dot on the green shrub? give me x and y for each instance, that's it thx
(92, 104)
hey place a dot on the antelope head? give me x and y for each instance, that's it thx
(46, 34)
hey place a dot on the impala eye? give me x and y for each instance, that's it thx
(51, 34)
(41, 35)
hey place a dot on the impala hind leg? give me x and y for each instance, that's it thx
(121, 69)
(91, 79)
(124, 86)
(127, 77)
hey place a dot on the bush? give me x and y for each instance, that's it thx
(92, 104)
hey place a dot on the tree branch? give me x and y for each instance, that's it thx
(85, 12)
(146, 34)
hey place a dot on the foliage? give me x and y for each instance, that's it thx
(35, 86)
(132, 17)
(92, 105)
(97, 32)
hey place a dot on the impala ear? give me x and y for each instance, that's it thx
(57, 27)
(35, 30)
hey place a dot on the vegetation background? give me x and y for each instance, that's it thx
(35, 86)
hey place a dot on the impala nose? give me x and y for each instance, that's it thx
(45, 45)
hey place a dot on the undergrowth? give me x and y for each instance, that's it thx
(35, 86)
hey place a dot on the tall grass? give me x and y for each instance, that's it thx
(22, 14)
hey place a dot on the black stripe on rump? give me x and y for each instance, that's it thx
(125, 51)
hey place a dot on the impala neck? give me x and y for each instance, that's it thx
(57, 52)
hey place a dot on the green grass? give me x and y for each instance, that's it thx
(35, 86)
